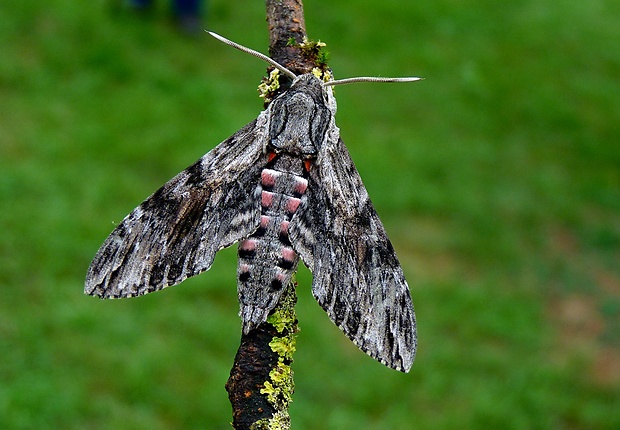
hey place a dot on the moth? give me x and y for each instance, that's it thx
(284, 187)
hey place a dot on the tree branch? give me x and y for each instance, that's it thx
(261, 380)
(287, 31)
(260, 385)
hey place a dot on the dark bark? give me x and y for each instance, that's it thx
(253, 362)
(286, 25)
(260, 384)
(287, 30)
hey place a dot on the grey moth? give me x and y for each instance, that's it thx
(284, 187)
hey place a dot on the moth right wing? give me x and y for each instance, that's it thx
(356, 276)
(175, 233)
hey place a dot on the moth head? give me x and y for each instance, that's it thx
(300, 117)
(310, 84)
(296, 78)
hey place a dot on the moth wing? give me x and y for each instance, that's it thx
(175, 233)
(357, 278)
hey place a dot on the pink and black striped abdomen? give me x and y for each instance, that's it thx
(266, 258)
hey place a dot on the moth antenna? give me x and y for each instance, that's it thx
(257, 54)
(370, 79)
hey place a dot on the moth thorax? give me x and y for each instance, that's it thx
(289, 163)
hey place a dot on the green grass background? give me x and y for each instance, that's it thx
(497, 177)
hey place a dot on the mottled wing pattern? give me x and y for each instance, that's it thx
(357, 278)
(175, 233)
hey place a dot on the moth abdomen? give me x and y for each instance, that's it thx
(283, 233)
(267, 259)
(247, 248)
(288, 258)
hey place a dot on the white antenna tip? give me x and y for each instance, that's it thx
(372, 79)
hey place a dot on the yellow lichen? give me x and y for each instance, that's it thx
(269, 85)
(324, 75)
(279, 390)
(280, 386)
(279, 421)
(282, 319)
(314, 50)
(284, 346)
(311, 45)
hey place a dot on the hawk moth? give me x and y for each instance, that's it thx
(285, 187)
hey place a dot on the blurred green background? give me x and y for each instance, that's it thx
(497, 177)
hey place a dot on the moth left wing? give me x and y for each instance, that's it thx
(175, 233)
(357, 278)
